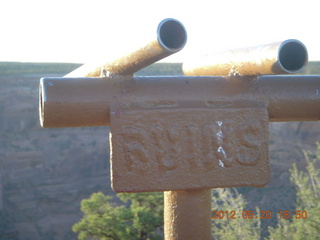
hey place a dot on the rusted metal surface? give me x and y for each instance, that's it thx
(174, 125)
(77, 102)
(80, 102)
(171, 37)
(288, 56)
(188, 148)
(187, 214)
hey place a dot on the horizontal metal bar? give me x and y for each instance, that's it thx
(291, 98)
(77, 102)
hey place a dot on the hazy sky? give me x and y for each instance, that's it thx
(83, 31)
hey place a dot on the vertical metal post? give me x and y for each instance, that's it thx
(187, 214)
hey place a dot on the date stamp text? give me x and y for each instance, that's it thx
(261, 215)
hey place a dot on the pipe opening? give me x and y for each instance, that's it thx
(172, 34)
(293, 56)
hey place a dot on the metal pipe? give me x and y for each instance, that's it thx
(291, 98)
(75, 102)
(187, 214)
(288, 56)
(171, 37)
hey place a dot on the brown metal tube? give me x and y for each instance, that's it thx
(291, 98)
(288, 56)
(171, 37)
(187, 214)
(75, 102)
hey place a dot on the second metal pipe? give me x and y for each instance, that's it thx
(288, 56)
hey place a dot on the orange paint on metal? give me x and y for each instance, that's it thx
(187, 214)
(81, 102)
(188, 148)
(288, 56)
(170, 38)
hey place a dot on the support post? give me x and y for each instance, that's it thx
(187, 214)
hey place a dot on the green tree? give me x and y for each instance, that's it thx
(104, 220)
(233, 226)
(303, 226)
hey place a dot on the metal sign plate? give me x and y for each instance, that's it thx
(188, 148)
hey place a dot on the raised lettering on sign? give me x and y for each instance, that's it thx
(172, 149)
